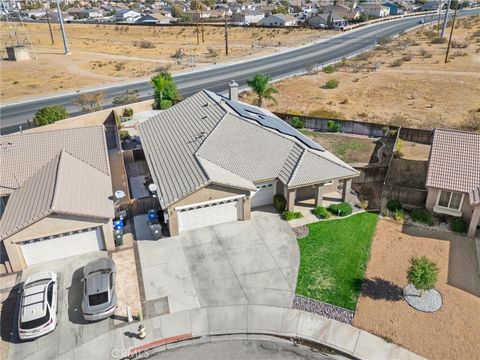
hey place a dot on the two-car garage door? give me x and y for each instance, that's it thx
(209, 213)
(53, 248)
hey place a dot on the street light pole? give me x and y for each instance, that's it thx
(445, 19)
(62, 27)
(451, 33)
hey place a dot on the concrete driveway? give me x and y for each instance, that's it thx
(72, 330)
(243, 262)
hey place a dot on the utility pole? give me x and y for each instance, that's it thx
(440, 5)
(196, 21)
(445, 19)
(226, 35)
(451, 33)
(49, 26)
(201, 19)
(62, 27)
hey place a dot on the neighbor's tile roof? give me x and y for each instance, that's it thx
(207, 139)
(64, 185)
(454, 160)
(22, 155)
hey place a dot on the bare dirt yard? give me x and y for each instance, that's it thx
(106, 53)
(411, 86)
(450, 333)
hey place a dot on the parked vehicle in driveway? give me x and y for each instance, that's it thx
(99, 299)
(38, 305)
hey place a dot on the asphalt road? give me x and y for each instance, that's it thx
(216, 78)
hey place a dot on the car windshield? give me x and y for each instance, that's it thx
(32, 324)
(97, 299)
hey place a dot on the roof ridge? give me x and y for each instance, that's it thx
(297, 166)
(26, 132)
(55, 186)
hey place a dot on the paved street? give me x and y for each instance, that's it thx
(72, 330)
(244, 262)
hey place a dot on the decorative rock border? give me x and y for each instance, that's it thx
(301, 231)
(324, 309)
(430, 301)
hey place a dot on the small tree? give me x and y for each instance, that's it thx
(422, 273)
(90, 102)
(331, 84)
(50, 114)
(261, 86)
(164, 88)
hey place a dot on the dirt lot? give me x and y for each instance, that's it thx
(105, 53)
(450, 333)
(422, 91)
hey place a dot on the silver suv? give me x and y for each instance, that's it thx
(38, 305)
(99, 300)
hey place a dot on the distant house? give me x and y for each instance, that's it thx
(395, 9)
(248, 17)
(279, 20)
(453, 177)
(91, 13)
(433, 5)
(375, 10)
(326, 20)
(342, 11)
(127, 15)
(153, 19)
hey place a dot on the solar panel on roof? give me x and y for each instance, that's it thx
(272, 122)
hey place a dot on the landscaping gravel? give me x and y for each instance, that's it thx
(430, 301)
(300, 231)
(321, 308)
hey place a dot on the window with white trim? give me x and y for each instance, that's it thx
(450, 200)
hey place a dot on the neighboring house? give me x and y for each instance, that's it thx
(248, 17)
(453, 178)
(375, 10)
(279, 20)
(58, 194)
(127, 15)
(153, 19)
(92, 13)
(326, 20)
(214, 158)
(433, 5)
(395, 9)
(342, 11)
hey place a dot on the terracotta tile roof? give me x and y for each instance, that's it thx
(454, 161)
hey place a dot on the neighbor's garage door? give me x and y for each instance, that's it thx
(264, 194)
(200, 215)
(53, 248)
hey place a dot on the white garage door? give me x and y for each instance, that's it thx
(206, 214)
(53, 248)
(264, 194)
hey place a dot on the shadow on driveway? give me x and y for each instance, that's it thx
(9, 316)
(75, 298)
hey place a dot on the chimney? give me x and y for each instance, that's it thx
(233, 90)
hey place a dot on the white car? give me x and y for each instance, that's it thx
(38, 305)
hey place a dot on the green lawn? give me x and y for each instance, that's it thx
(333, 258)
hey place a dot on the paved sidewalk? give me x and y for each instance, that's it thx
(167, 330)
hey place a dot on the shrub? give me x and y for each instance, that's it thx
(422, 273)
(127, 112)
(397, 63)
(119, 66)
(279, 203)
(458, 44)
(459, 226)
(472, 121)
(422, 215)
(384, 40)
(334, 126)
(145, 44)
(291, 215)
(332, 84)
(394, 205)
(438, 40)
(124, 135)
(425, 53)
(407, 57)
(321, 212)
(329, 69)
(50, 114)
(342, 209)
(399, 215)
(90, 102)
(297, 123)
(130, 96)
(165, 104)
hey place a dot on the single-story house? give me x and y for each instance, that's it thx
(395, 9)
(326, 20)
(214, 158)
(375, 10)
(153, 19)
(341, 11)
(248, 17)
(453, 177)
(278, 20)
(433, 5)
(127, 15)
(56, 191)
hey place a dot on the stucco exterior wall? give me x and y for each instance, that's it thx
(432, 196)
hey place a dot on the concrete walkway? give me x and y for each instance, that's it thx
(168, 330)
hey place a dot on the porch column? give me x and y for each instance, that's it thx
(347, 187)
(292, 194)
(319, 190)
(474, 221)
(108, 239)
